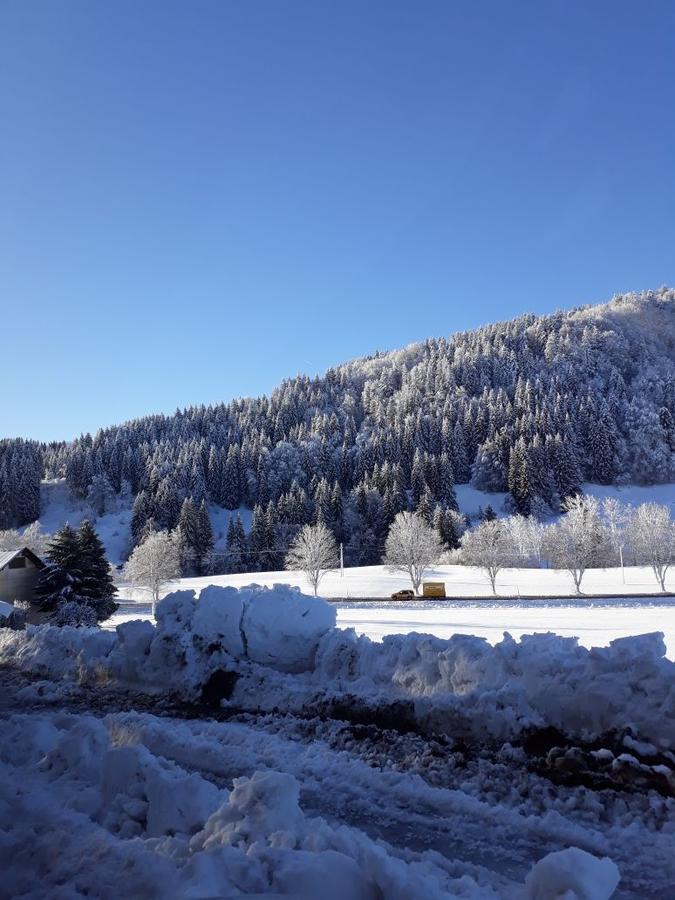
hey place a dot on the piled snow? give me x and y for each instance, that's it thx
(6, 609)
(572, 873)
(594, 623)
(87, 809)
(275, 627)
(47, 650)
(463, 685)
(286, 653)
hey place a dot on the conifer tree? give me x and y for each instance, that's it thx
(188, 536)
(94, 582)
(237, 547)
(204, 535)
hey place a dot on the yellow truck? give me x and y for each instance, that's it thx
(434, 589)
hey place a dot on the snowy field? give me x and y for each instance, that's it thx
(594, 626)
(366, 582)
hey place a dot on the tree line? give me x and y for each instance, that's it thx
(589, 534)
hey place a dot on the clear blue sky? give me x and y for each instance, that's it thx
(198, 199)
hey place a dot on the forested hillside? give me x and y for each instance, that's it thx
(534, 406)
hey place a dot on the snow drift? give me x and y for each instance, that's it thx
(282, 650)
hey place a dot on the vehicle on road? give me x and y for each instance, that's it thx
(403, 595)
(433, 589)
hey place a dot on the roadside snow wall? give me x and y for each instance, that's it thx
(282, 650)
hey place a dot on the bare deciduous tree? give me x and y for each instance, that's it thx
(579, 540)
(489, 547)
(526, 537)
(652, 537)
(412, 546)
(154, 563)
(32, 537)
(313, 551)
(616, 516)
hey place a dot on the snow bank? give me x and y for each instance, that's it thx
(280, 648)
(572, 873)
(465, 685)
(278, 628)
(47, 650)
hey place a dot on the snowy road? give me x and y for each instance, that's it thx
(447, 810)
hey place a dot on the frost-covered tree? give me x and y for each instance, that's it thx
(616, 516)
(413, 546)
(32, 537)
(488, 547)
(100, 494)
(652, 538)
(526, 535)
(579, 540)
(313, 552)
(154, 564)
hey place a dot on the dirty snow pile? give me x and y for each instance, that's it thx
(86, 809)
(282, 650)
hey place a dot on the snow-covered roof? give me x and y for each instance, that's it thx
(6, 556)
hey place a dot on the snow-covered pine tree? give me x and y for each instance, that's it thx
(94, 582)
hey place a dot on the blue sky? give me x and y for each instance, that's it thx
(200, 199)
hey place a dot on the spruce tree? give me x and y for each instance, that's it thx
(188, 536)
(95, 583)
(519, 483)
(488, 515)
(204, 543)
(143, 511)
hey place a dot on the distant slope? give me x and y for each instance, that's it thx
(114, 527)
(533, 407)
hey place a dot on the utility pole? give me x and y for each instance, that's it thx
(623, 571)
(342, 562)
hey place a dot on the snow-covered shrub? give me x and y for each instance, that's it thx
(75, 613)
(12, 616)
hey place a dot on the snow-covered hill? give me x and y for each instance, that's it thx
(59, 507)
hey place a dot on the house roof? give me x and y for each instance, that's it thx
(7, 556)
